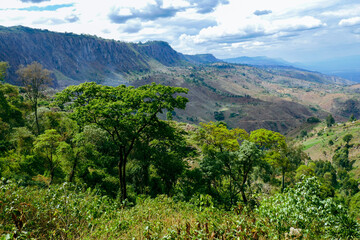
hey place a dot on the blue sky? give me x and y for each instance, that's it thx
(295, 30)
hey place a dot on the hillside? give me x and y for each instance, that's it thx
(321, 142)
(274, 97)
(258, 61)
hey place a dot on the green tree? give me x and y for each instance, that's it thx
(276, 151)
(46, 145)
(35, 79)
(330, 120)
(352, 118)
(9, 105)
(123, 112)
(3, 67)
(219, 145)
(247, 157)
(341, 159)
(347, 138)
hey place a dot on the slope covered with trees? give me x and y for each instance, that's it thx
(101, 163)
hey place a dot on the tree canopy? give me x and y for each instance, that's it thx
(125, 113)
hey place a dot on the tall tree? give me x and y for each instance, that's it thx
(123, 112)
(46, 145)
(3, 67)
(247, 157)
(330, 120)
(275, 148)
(219, 145)
(34, 78)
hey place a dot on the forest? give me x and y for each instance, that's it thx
(101, 162)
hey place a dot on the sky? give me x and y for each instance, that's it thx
(294, 30)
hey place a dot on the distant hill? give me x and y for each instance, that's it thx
(345, 67)
(258, 61)
(201, 58)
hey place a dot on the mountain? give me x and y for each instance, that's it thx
(78, 58)
(277, 97)
(346, 67)
(258, 61)
(201, 58)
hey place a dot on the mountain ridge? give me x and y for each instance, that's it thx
(77, 58)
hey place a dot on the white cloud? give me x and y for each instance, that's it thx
(344, 11)
(253, 28)
(349, 22)
(202, 26)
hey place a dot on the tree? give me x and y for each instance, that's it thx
(247, 157)
(125, 113)
(46, 145)
(352, 118)
(155, 153)
(3, 67)
(219, 145)
(34, 78)
(9, 105)
(330, 120)
(347, 138)
(275, 148)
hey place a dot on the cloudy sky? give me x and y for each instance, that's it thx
(295, 30)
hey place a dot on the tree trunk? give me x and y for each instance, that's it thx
(243, 195)
(72, 173)
(36, 119)
(124, 193)
(52, 173)
(122, 176)
(51, 168)
(283, 181)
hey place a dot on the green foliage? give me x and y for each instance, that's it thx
(58, 212)
(10, 101)
(72, 212)
(303, 208)
(303, 133)
(35, 79)
(352, 118)
(330, 120)
(313, 120)
(341, 159)
(125, 113)
(3, 67)
(46, 145)
(219, 116)
(347, 138)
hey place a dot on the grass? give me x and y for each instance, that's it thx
(70, 212)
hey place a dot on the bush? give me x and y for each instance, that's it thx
(313, 120)
(302, 208)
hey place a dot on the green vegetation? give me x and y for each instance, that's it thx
(101, 162)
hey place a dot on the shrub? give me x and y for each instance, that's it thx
(303, 208)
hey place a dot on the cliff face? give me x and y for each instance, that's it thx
(77, 58)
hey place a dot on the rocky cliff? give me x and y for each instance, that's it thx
(77, 58)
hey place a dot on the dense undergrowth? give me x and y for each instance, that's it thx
(72, 212)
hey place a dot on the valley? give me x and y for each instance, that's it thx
(279, 98)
